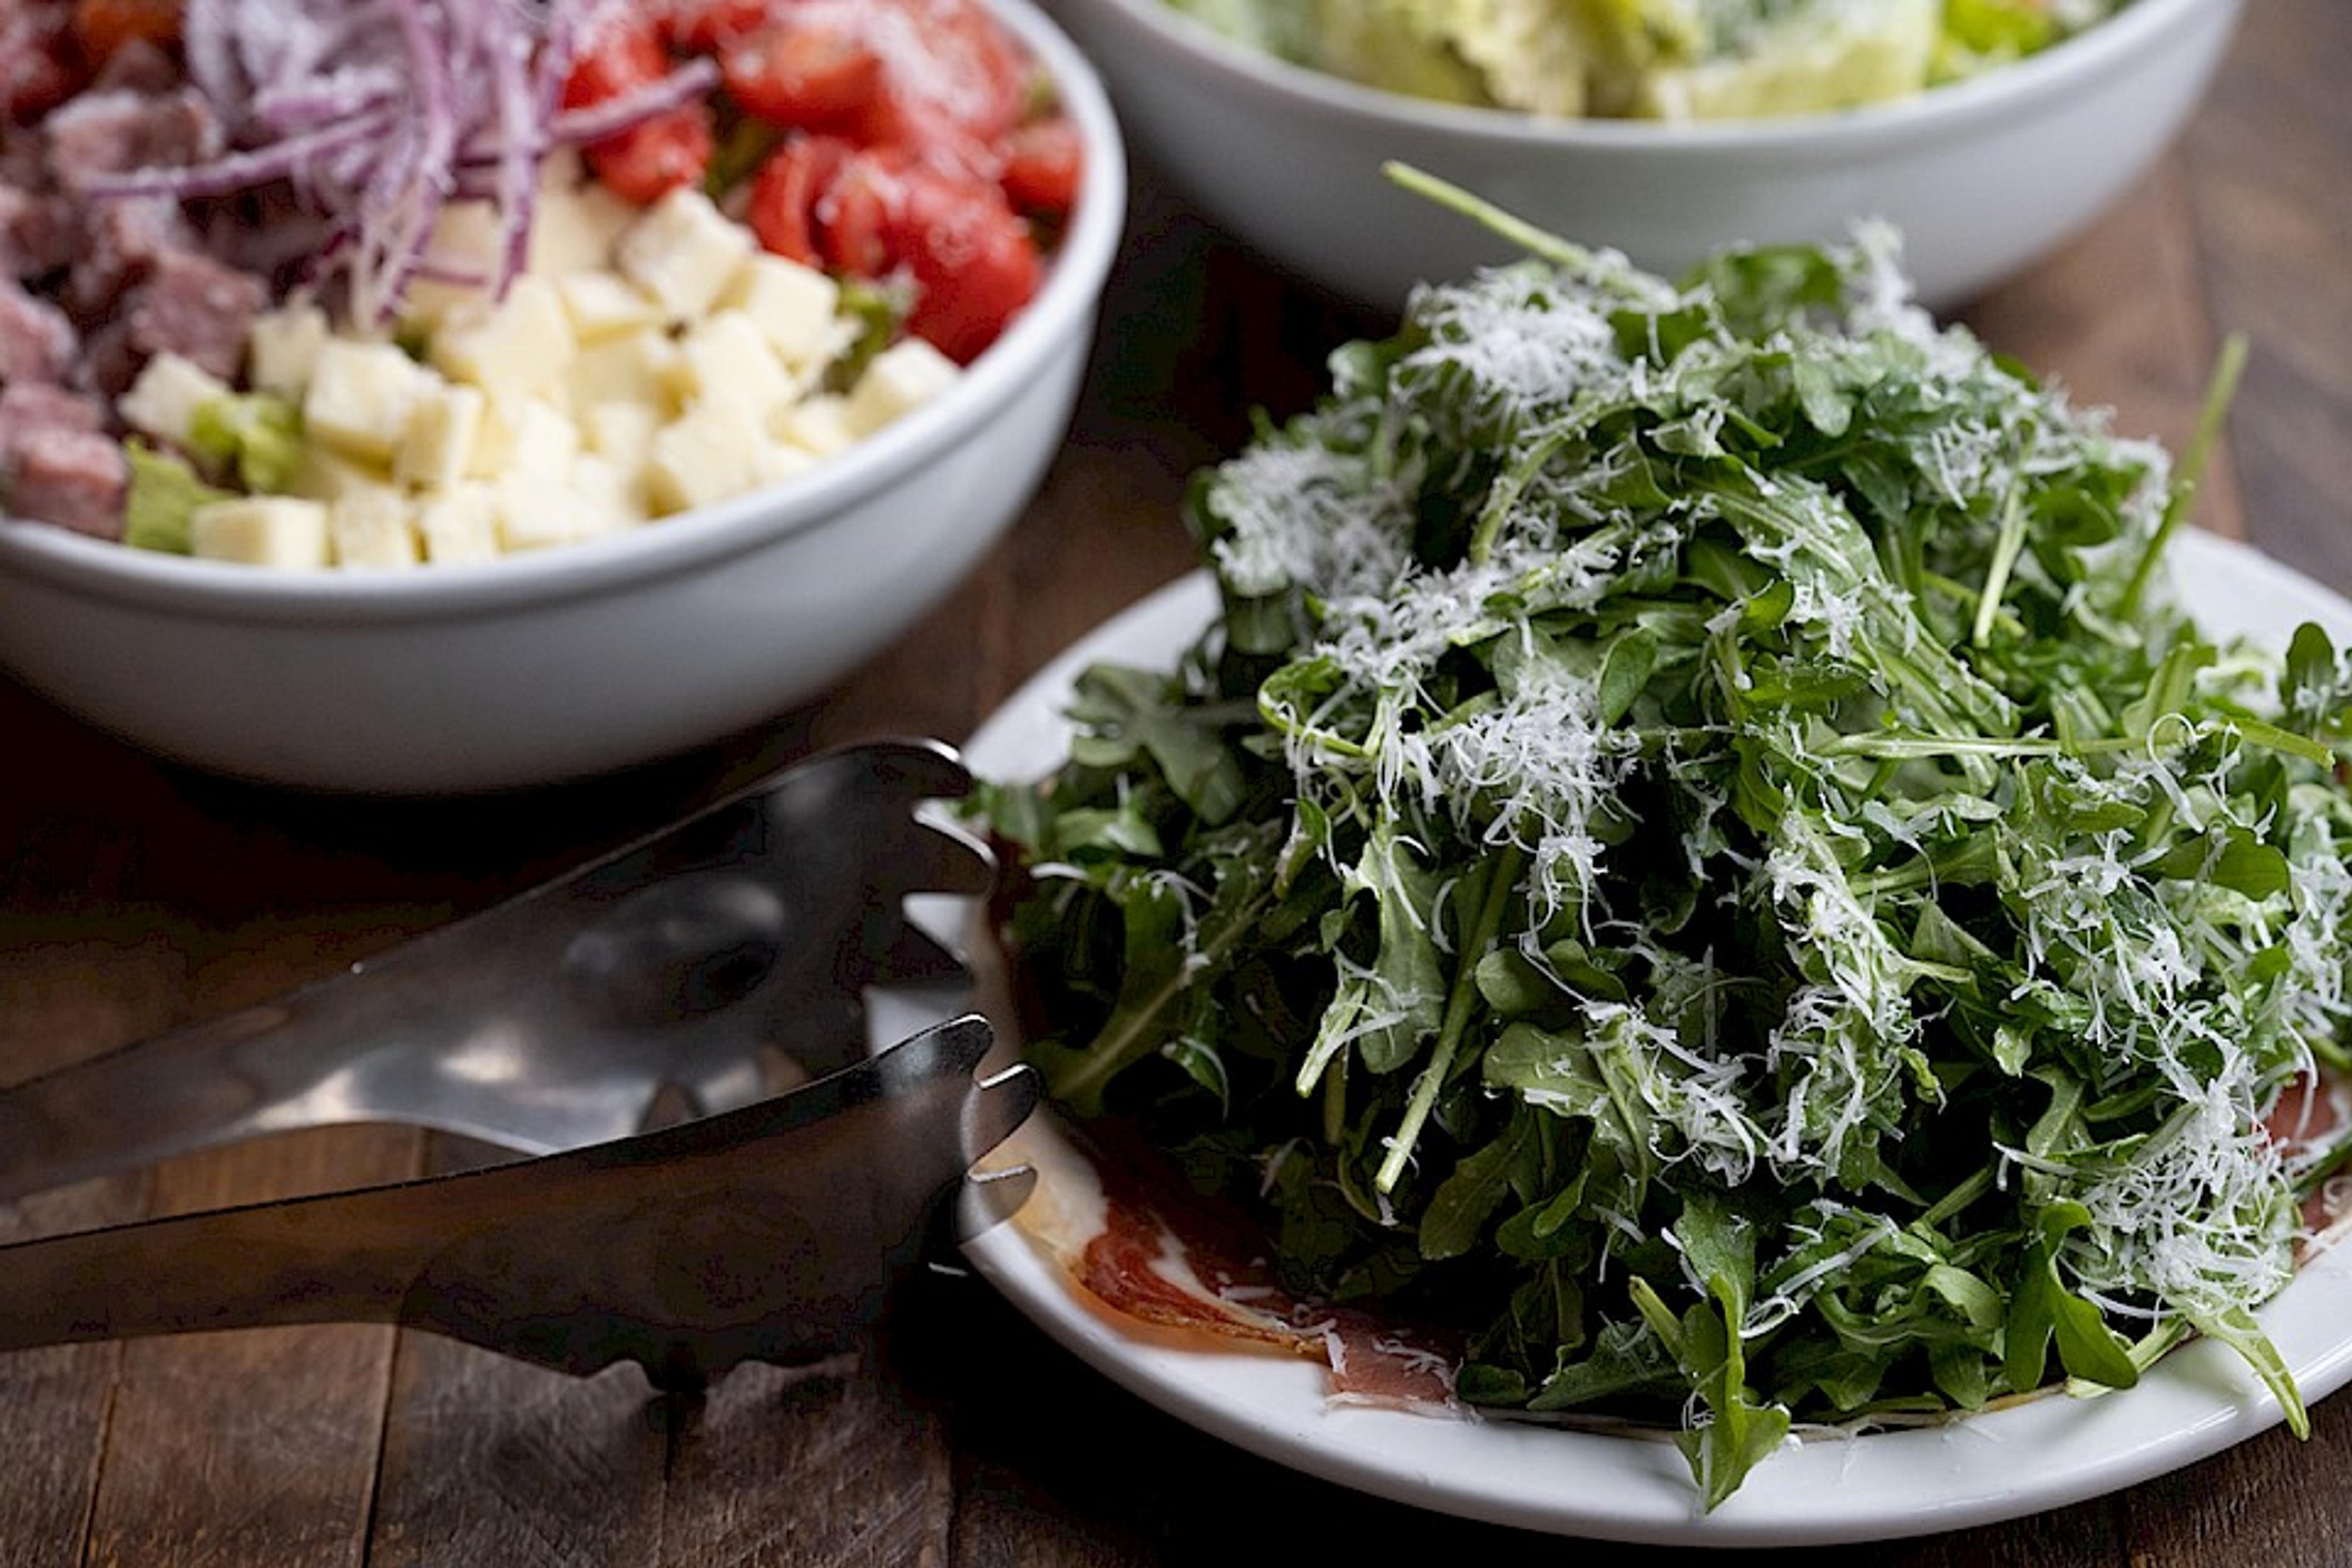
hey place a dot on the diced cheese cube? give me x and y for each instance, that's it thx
(611, 494)
(773, 461)
(727, 359)
(712, 452)
(281, 347)
(261, 531)
(901, 379)
(602, 305)
(373, 529)
(493, 444)
(461, 526)
(536, 504)
(362, 396)
(682, 251)
(539, 516)
(164, 401)
(623, 432)
(574, 224)
(796, 306)
(468, 242)
(818, 426)
(520, 349)
(596, 498)
(442, 437)
(321, 475)
(644, 367)
(545, 443)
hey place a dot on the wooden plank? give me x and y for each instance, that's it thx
(251, 1446)
(492, 1461)
(830, 1468)
(56, 1399)
(2269, 156)
(2264, 1502)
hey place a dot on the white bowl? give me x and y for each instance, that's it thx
(592, 655)
(1981, 178)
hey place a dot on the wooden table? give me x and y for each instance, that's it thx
(133, 896)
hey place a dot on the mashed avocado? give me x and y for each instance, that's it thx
(1663, 59)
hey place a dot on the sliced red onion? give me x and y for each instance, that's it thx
(380, 112)
(615, 115)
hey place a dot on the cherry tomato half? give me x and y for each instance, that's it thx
(655, 156)
(1044, 162)
(782, 209)
(703, 26)
(801, 75)
(973, 263)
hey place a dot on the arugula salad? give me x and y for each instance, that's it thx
(1700, 856)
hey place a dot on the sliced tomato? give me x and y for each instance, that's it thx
(650, 159)
(655, 157)
(624, 51)
(978, 72)
(781, 208)
(1044, 162)
(972, 260)
(858, 215)
(703, 27)
(105, 26)
(803, 75)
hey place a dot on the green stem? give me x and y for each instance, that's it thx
(2218, 393)
(1518, 230)
(1459, 1002)
(1112, 1054)
(1959, 1197)
(2004, 559)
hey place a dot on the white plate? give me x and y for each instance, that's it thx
(1990, 1466)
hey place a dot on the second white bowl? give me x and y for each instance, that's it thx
(1981, 178)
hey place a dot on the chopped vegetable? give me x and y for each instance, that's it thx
(1696, 857)
(164, 494)
(253, 435)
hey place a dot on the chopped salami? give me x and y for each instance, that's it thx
(37, 232)
(26, 406)
(126, 237)
(114, 132)
(189, 304)
(37, 341)
(74, 479)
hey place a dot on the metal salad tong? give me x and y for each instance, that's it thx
(696, 972)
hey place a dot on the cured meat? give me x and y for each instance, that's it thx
(74, 479)
(1172, 1258)
(114, 132)
(37, 341)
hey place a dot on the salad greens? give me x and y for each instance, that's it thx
(1670, 59)
(1700, 855)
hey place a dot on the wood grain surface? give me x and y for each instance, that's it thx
(135, 895)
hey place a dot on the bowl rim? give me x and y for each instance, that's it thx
(1064, 309)
(2141, 25)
